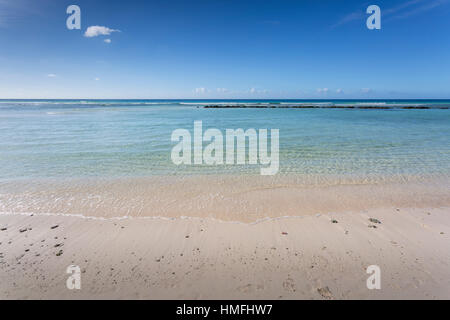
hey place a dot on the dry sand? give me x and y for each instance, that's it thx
(307, 257)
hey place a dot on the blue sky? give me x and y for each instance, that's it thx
(225, 49)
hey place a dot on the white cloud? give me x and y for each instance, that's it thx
(222, 90)
(51, 75)
(94, 31)
(258, 91)
(322, 90)
(107, 40)
(200, 90)
(97, 79)
(339, 90)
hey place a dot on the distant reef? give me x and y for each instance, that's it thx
(245, 106)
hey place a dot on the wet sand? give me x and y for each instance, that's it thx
(321, 256)
(243, 198)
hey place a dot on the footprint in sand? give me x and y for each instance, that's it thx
(289, 285)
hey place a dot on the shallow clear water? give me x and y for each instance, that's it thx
(63, 139)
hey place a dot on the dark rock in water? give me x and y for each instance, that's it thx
(374, 220)
(312, 106)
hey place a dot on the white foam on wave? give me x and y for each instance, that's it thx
(121, 218)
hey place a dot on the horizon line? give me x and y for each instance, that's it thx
(259, 99)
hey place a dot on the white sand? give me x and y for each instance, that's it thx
(152, 258)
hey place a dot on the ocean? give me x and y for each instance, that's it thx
(109, 138)
(112, 158)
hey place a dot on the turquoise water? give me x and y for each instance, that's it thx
(63, 139)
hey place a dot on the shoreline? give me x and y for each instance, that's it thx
(227, 198)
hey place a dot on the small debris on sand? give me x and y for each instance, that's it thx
(59, 253)
(54, 227)
(284, 233)
(334, 221)
(372, 226)
(325, 292)
(373, 220)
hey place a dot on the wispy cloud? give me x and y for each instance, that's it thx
(357, 15)
(200, 90)
(51, 75)
(424, 7)
(401, 6)
(13, 12)
(403, 10)
(94, 31)
(322, 90)
(258, 91)
(107, 40)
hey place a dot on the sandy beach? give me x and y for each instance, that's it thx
(321, 256)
